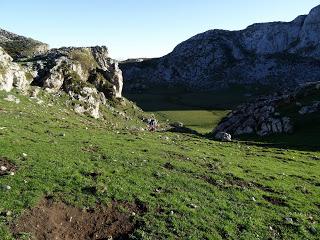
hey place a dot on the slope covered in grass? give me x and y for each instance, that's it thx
(191, 187)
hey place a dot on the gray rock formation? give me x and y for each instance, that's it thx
(11, 74)
(315, 107)
(278, 54)
(265, 116)
(88, 75)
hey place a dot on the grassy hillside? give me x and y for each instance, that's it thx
(188, 187)
(19, 46)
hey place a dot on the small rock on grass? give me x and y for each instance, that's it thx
(313, 230)
(289, 220)
(192, 205)
(6, 187)
(3, 168)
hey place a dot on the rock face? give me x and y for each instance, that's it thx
(19, 46)
(88, 75)
(11, 74)
(279, 54)
(265, 116)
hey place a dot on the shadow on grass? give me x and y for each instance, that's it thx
(184, 130)
(177, 99)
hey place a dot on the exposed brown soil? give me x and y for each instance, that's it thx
(236, 182)
(56, 220)
(10, 167)
(275, 200)
(168, 166)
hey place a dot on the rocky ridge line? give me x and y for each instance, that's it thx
(279, 54)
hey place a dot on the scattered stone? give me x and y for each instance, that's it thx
(313, 230)
(223, 136)
(289, 220)
(192, 205)
(177, 124)
(3, 168)
(6, 187)
(12, 98)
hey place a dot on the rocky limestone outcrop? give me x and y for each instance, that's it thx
(265, 115)
(278, 54)
(88, 75)
(90, 65)
(11, 74)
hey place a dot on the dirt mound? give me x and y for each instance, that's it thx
(6, 167)
(56, 220)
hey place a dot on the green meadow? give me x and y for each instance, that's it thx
(192, 187)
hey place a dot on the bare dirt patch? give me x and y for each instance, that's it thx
(236, 182)
(6, 167)
(56, 220)
(168, 166)
(275, 201)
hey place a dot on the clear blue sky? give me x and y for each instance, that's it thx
(138, 28)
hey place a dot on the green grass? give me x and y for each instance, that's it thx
(220, 178)
(202, 121)
(199, 112)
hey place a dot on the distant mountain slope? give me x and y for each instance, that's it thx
(278, 53)
(19, 46)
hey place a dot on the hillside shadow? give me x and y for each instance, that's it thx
(301, 141)
(285, 146)
(181, 103)
(176, 99)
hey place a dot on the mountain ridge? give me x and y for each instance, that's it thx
(276, 53)
(18, 46)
